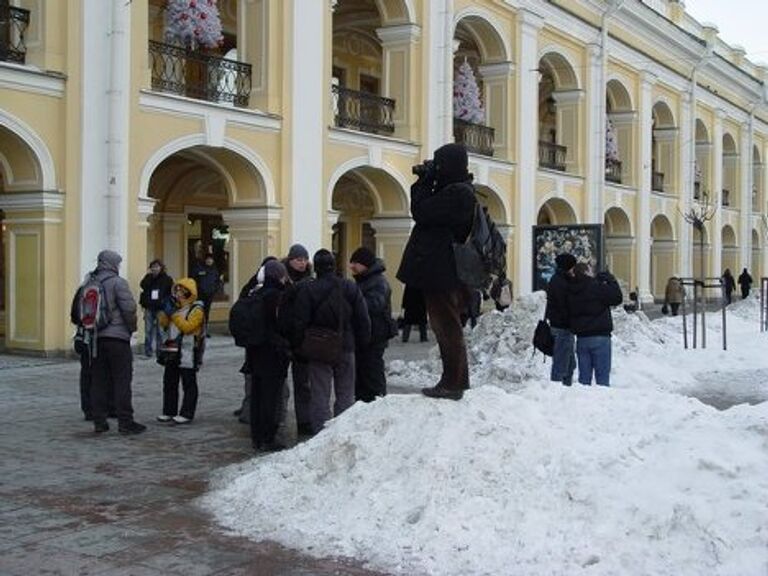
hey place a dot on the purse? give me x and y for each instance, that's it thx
(324, 344)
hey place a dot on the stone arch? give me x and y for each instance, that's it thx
(396, 11)
(37, 167)
(663, 254)
(702, 175)
(385, 200)
(620, 119)
(663, 117)
(556, 211)
(617, 223)
(731, 184)
(757, 256)
(481, 27)
(661, 228)
(218, 158)
(729, 237)
(619, 245)
(492, 200)
(664, 148)
(618, 97)
(730, 250)
(560, 68)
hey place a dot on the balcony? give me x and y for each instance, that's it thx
(726, 198)
(13, 23)
(613, 171)
(552, 156)
(197, 75)
(477, 138)
(657, 181)
(363, 111)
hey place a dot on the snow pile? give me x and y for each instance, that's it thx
(549, 480)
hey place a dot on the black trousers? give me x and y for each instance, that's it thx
(269, 369)
(113, 363)
(302, 393)
(86, 376)
(444, 309)
(171, 377)
(370, 380)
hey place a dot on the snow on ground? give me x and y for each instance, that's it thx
(524, 476)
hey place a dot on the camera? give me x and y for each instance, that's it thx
(421, 170)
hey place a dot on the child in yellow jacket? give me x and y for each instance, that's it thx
(183, 321)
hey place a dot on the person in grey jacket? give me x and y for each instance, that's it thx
(114, 359)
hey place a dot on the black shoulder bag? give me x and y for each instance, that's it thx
(325, 344)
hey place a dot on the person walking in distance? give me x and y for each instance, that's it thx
(745, 283)
(414, 313)
(563, 359)
(209, 283)
(674, 294)
(332, 303)
(729, 285)
(442, 206)
(368, 272)
(155, 289)
(114, 359)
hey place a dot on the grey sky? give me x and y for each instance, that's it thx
(741, 22)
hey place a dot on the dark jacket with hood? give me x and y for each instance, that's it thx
(162, 283)
(589, 303)
(287, 315)
(442, 206)
(122, 306)
(557, 305)
(317, 305)
(378, 298)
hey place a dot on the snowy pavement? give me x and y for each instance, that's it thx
(525, 476)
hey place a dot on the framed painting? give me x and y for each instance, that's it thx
(584, 241)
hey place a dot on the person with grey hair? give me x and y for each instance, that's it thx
(114, 359)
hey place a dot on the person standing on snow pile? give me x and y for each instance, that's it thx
(182, 321)
(745, 283)
(114, 358)
(368, 272)
(442, 207)
(563, 358)
(330, 302)
(155, 289)
(589, 303)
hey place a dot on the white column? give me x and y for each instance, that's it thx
(595, 144)
(644, 189)
(529, 25)
(687, 175)
(745, 195)
(439, 121)
(716, 224)
(310, 93)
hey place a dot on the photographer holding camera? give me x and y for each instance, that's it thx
(442, 206)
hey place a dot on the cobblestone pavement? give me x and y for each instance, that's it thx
(73, 503)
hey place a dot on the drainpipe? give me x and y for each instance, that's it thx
(117, 130)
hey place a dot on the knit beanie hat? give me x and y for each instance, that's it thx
(274, 270)
(565, 261)
(363, 256)
(323, 261)
(298, 251)
(451, 164)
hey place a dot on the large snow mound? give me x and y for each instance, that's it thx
(547, 481)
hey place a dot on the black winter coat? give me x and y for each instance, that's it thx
(162, 283)
(557, 305)
(589, 302)
(414, 305)
(378, 298)
(317, 305)
(442, 218)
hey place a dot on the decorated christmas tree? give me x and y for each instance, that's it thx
(193, 23)
(466, 96)
(611, 142)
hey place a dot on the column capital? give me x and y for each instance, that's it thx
(647, 79)
(244, 217)
(146, 208)
(391, 226)
(32, 201)
(529, 21)
(497, 70)
(399, 35)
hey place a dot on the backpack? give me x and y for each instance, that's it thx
(91, 307)
(246, 319)
(543, 341)
(483, 254)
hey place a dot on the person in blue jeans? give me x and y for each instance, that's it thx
(589, 301)
(563, 359)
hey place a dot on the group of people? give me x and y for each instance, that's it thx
(729, 284)
(579, 308)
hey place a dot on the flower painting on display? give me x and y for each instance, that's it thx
(584, 241)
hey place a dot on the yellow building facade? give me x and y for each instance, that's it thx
(304, 124)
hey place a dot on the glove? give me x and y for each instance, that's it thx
(169, 307)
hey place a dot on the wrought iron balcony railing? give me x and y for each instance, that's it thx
(13, 24)
(475, 137)
(613, 171)
(726, 198)
(657, 181)
(552, 155)
(363, 111)
(191, 73)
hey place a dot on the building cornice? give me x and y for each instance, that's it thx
(32, 201)
(364, 139)
(27, 79)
